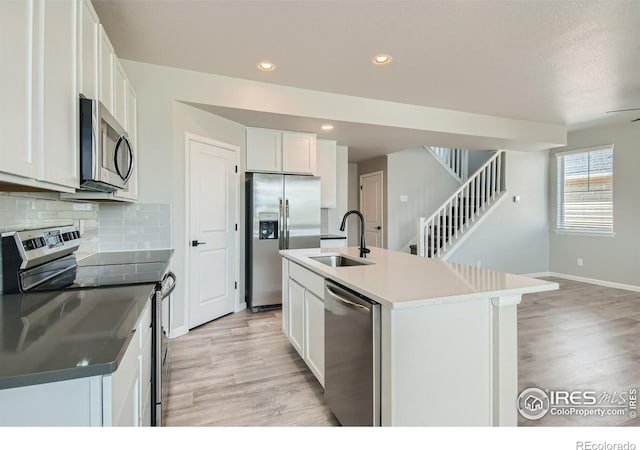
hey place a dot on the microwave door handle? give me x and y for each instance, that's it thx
(115, 157)
(123, 140)
(130, 170)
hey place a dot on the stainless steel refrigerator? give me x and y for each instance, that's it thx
(283, 212)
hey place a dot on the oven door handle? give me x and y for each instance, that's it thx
(158, 355)
(167, 292)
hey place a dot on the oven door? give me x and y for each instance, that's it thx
(160, 324)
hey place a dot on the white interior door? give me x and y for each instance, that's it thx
(212, 221)
(371, 204)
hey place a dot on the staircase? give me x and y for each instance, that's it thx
(455, 160)
(440, 233)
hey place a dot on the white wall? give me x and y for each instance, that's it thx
(162, 124)
(514, 237)
(614, 259)
(417, 174)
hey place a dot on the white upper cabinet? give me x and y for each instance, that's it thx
(298, 152)
(107, 57)
(280, 151)
(57, 51)
(16, 77)
(89, 51)
(131, 126)
(326, 150)
(119, 93)
(58, 124)
(264, 150)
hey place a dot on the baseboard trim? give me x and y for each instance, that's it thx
(241, 307)
(177, 332)
(537, 274)
(611, 284)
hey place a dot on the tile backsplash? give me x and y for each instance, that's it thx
(35, 210)
(103, 227)
(134, 226)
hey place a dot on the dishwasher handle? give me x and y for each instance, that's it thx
(345, 301)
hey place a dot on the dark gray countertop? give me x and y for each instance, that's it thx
(332, 236)
(60, 335)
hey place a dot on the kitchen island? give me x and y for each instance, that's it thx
(448, 332)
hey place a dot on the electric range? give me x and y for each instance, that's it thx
(42, 261)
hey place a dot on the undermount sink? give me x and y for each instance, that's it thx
(339, 261)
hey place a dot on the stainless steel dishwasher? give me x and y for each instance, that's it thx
(352, 356)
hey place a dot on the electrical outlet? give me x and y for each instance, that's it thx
(580, 261)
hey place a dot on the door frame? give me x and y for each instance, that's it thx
(381, 173)
(187, 219)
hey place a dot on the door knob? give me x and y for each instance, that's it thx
(196, 243)
(378, 228)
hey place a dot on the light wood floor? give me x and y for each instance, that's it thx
(240, 370)
(579, 337)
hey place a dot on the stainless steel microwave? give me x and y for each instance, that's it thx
(106, 154)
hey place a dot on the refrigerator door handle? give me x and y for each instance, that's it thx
(286, 214)
(280, 225)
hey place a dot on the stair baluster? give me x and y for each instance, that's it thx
(439, 232)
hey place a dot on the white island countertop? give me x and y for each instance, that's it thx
(400, 280)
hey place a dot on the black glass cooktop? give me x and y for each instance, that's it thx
(105, 269)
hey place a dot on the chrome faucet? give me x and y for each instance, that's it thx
(363, 248)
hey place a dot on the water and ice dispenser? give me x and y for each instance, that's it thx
(268, 225)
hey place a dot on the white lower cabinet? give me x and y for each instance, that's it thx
(314, 334)
(122, 398)
(303, 314)
(296, 315)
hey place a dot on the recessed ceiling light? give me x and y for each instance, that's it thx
(266, 66)
(327, 127)
(381, 59)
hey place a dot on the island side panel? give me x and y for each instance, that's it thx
(437, 365)
(505, 359)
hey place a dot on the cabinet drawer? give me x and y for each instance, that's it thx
(308, 279)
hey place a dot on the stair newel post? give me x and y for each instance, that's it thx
(421, 236)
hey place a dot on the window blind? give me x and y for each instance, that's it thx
(585, 190)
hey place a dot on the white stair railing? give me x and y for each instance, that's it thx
(438, 232)
(456, 160)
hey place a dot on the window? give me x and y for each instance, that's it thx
(585, 190)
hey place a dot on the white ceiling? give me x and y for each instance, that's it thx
(557, 62)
